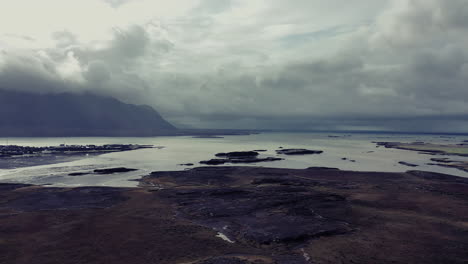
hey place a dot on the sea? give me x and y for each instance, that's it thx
(359, 149)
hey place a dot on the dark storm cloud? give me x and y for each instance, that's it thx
(111, 69)
(26, 72)
(238, 64)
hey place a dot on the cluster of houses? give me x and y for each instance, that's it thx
(13, 150)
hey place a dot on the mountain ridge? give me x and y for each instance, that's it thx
(24, 114)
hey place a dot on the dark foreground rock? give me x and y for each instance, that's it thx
(238, 157)
(459, 165)
(79, 173)
(408, 164)
(243, 160)
(66, 199)
(442, 160)
(113, 170)
(298, 151)
(102, 171)
(272, 216)
(186, 164)
(238, 154)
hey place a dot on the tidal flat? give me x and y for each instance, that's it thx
(449, 150)
(355, 152)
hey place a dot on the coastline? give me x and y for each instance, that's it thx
(347, 153)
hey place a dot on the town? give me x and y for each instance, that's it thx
(24, 151)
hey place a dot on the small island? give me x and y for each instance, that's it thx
(298, 151)
(238, 157)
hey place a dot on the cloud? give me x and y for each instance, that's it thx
(393, 65)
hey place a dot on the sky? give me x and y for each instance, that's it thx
(394, 65)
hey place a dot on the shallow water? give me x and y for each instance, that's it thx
(178, 150)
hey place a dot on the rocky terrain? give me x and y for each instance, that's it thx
(434, 149)
(460, 165)
(241, 215)
(253, 156)
(408, 164)
(298, 151)
(429, 148)
(238, 157)
(103, 171)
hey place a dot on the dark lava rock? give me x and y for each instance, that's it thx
(60, 199)
(281, 214)
(186, 164)
(298, 151)
(113, 170)
(214, 161)
(282, 259)
(291, 259)
(442, 160)
(11, 186)
(238, 157)
(387, 144)
(323, 168)
(238, 154)
(408, 164)
(223, 260)
(238, 160)
(261, 150)
(428, 175)
(78, 173)
(284, 181)
(196, 176)
(254, 160)
(266, 180)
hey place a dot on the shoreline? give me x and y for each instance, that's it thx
(272, 216)
(449, 150)
(13, 156)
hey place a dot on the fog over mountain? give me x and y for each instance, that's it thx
(397, 65)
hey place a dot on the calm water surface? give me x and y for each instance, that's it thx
(358, 147)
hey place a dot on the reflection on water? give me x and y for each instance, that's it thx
(182, 150)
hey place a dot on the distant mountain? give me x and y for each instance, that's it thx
(66, 114)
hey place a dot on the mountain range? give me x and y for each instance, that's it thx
(24, 114)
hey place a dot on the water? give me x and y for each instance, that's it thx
(178, 150)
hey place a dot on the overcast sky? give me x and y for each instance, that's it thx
(302, 64)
